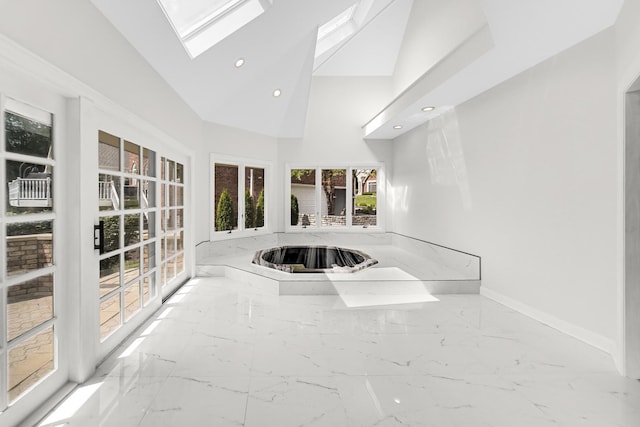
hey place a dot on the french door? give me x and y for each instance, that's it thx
(140, 232)
(33, 290)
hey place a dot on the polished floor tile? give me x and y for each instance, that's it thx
(221, 354)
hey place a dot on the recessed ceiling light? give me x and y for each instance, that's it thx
(397, 127)
(239, 62)
(428, 108)
(277, 93)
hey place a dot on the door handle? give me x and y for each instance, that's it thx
(98, 237)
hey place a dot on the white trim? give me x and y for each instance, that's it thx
(627, 322)
(349, 167)
(26, 98)
(37, 82)
(28, 64)
(619, 355)
(242, 163)
(596, 340)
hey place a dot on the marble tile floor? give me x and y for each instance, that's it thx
(220, 354)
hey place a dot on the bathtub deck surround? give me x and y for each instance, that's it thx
(405, 265)
(220, 353)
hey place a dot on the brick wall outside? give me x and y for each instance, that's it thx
(26, 253)
(258, 182)
(226, 177)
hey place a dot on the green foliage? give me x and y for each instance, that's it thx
(295, 210)
(111, 233)
(368, 209)
(28, 228)
(298, 174)
(249, 211)
(260, 210)
(329, 179)
(224, 213)
(365, 200)
(131, 229)
(367, 204)
(26, 136)
(131, 204)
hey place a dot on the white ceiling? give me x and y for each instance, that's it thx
(279, 50)
(518, 35)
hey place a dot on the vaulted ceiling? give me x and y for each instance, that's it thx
(435, 52)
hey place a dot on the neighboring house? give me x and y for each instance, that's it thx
(304, 189)
(370, 185)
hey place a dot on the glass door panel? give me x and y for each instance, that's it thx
(334, 198)
(108, 151)
(29, 304)
(28, 285)
(172, 208)
(364, 204)
(254, 197)
(128, 210)
(303, 197)
(226, 197)
(30, 361)
(30, 187)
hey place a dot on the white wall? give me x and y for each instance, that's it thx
(75, 37)
(541, 160)
(628, 66)
(84, 44)
(220, 139)
(338, 107)
(628, 35)
(434, 30)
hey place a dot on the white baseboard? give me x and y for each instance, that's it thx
(596, 340)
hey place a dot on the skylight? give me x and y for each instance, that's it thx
(337, 22)
(201, 24)
(342, 26)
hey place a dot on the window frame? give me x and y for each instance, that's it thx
(137, 132)
(241, 163)
(122, 249)
(167, 182)
(24, 104)
(349, 227)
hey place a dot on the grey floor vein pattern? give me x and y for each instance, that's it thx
(220, 354)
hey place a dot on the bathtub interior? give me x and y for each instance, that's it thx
(313, 259)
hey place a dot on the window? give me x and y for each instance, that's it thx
(29, 271)
(226, 179)
(327, 198)
(240, 196)
(342, 26)
(303, 197)
(365, 197)
(201, 24)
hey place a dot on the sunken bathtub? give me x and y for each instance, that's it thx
(313, 259)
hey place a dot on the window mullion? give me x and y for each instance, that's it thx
(348, 181)
(4, 392)
(241, 189)
(318, 197)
